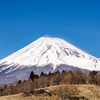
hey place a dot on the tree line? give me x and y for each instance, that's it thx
(76, 76)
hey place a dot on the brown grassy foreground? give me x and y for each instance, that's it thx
(60, 92)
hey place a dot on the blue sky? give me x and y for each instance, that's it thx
(24, 21)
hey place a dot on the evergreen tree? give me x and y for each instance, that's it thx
(31, 76)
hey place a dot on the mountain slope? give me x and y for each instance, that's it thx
(47, 54)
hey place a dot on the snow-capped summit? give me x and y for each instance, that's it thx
(47, 54)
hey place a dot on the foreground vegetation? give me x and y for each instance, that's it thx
(52, 79)
(60, 92)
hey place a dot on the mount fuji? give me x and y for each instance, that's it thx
(45, 54)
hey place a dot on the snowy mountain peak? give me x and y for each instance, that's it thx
(46, 50)
(46, 54)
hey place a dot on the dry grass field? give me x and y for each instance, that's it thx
(61, 92)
